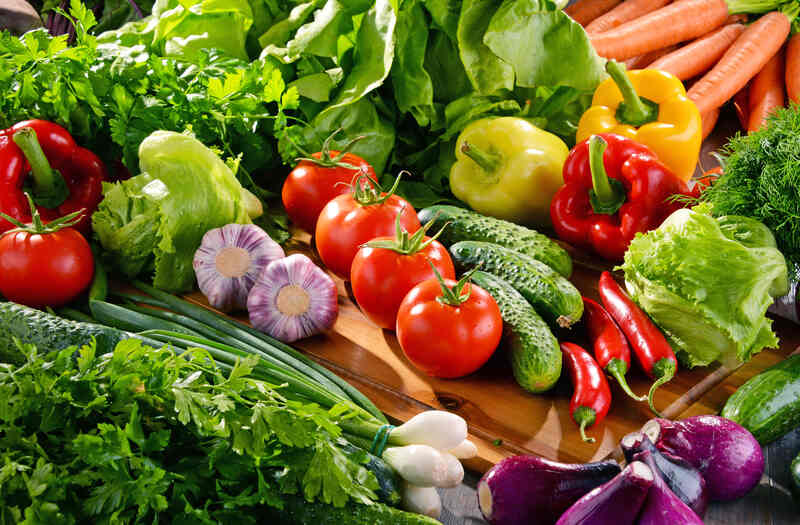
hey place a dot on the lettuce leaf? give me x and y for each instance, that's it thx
(707, 283)
(154, 222)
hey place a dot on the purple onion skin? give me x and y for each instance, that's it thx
(616, 502)
(299, 270)
(520, 487)
(681, 477)
(662, 505)
(230, 293)
(726, 454)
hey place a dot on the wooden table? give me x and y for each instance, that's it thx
(768, 504)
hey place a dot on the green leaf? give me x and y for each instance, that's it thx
(413, 89)
(486, 71)
(320, 36)
(563, 53)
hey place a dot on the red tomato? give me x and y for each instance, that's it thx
(381, 277)
(448, 341)
(310, 186)
(48, 269)
(344, 225)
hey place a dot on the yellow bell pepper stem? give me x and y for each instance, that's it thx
(489, 162)
(633, 110)
(607, 195)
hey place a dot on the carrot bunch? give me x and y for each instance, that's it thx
(709, 45)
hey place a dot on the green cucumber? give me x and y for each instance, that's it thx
(467, 225)
(49, 332)
(768, 405)
(552, 295)
(533, 349)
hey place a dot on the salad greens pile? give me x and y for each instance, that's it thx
(140, 434)
(154, 222)
(707, 283)
(269, 79)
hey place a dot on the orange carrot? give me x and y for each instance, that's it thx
(624, 12)
(742, 105)
(584, 11)
(793, 68)
(737, 19)
(742, 61)
(698, 56)
(673, 23)
(766, 92)
(709, 120)
(645, 61)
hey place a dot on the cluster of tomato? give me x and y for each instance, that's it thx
(401, 281)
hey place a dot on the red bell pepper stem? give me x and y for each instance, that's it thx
(610, 347)
(592, 397)
(650, 346)
(607, 195)
(488, 162)
(46, 180)
(634, 110)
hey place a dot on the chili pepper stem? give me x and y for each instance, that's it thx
(617, 369)
(633, 110)
(488, 161)
(584, 417)
(663, 370)
(607, 195)
(51, 190)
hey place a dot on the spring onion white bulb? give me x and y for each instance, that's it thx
(292, 299)
(436, 428)
(455, 472)
(465, 450)
(420, 465)
(421, 500)
(228, 262)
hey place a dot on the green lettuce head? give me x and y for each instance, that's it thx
(154, 222)
(707, 283)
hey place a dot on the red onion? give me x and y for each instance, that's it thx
(292, 299)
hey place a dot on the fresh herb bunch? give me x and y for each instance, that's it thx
(144, 435)
(761, 179)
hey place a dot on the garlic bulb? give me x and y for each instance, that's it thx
(228, 262)
(292, 299)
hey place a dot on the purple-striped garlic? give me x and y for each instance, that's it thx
(293, 298)
(228, 262)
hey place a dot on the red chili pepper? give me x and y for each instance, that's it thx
(613, 188)
(609, 344)
(650, 346)
(64, 177)
(592, 397)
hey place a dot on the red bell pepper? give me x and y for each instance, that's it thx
(613, 188)
(64, 177)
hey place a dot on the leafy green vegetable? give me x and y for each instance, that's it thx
(761, 179)
(144, 435)
(705, 288)
(544, 45)
(487, 72)
(154, 221)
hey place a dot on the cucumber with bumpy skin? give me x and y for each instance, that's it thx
(768, 404)
(533, 349)
(467, 225)
(553, 296)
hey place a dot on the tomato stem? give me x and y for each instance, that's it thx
(402, 243)
(325, 159)
(456, 295)
(367, 192)
(37, 226)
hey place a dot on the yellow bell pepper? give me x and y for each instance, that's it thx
(650, 107)
(508, 168)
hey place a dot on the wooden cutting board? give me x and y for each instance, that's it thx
(504, 419)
